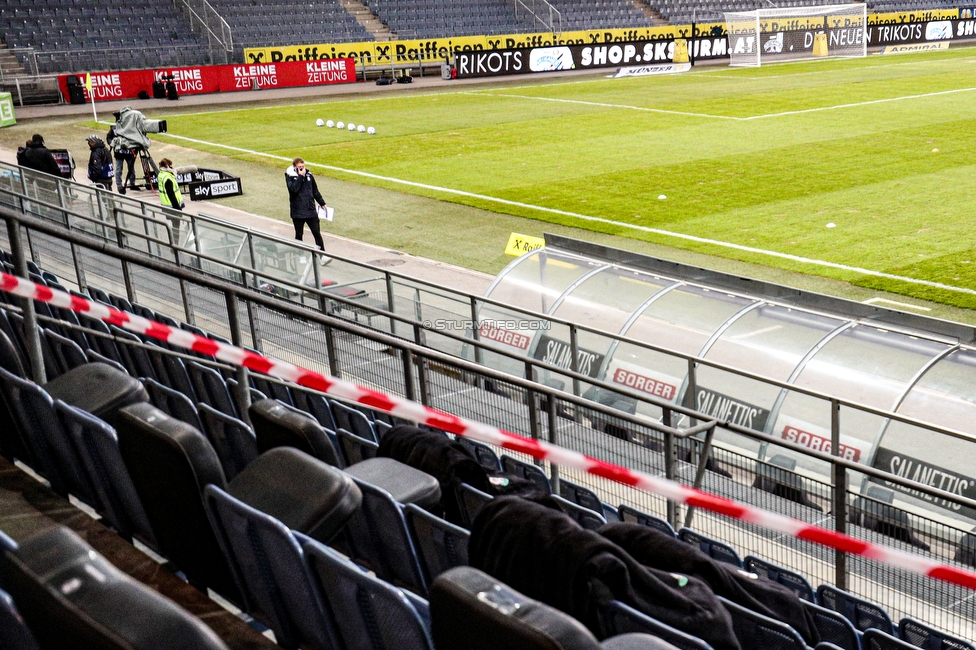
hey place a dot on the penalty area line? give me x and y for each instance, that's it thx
(592, 219)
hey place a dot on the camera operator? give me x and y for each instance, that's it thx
(131, 128)
(123, 155)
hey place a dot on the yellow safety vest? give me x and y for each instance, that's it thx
(162, 177)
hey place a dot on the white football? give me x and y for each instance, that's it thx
(661, 197)
(320, 122)
(340, 125)
(330, 124)
(361, 128)
(371, 131)
(352, 127)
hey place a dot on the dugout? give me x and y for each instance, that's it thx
(627, 305)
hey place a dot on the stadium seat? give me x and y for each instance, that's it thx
(875, 514)
(789, 579)
(470, 610)
(864, 614)
(471, 501)
(368, 612)
(14, 633)
(711, 547)
(273, 389)
(135, 358)
(620, 618)
(757, 631)
(115, 495)
(173, 403)
(484, 454)
(875, 639)
(527, 471)
(777, 477)
(211, 389)
(924, 636)
(585, 517)
(353, 420)
(315, 405)
(354, 448)
(587, 498)
(170, 464)
(234, 441)
(440, 544)
(67, 353)
(833, 627)
(630, 514)
(277, 425)
(72, 597)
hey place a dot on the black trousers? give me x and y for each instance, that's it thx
(313, 225)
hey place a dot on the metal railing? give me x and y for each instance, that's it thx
(32, 89)
(542, 12)
(94, 238)
(209, 24)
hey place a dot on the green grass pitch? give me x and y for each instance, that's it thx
(882, 147)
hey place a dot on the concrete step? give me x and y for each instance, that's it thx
(650, 12)
(365, 17)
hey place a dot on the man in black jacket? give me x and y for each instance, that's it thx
(36, 156)
(303, 194)
(100, 167)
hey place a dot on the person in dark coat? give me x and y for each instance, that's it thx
(38, 157)
(530, 545)
(100, 167)
(658, 550)
(303, 194)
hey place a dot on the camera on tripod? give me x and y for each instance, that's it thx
(165, 88)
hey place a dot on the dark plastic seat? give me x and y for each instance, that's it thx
(11, 356)
(353, 420)
(369, 612)
(72, 597)
(629, 514)
(929, 638)
(833, 627)
(777, 477)
(98, 449)
(527, 471)
(315, 405)
(173, 403)
(440, 544)
(354, 448)
(170, 370)
(232, 439)
(273, 389)
(101, 338)
(754, 630)
(789, 579)
(484, 454)
(587, 498)
(211, 389)
(471, 501)
(875, 514)
(14, 634)
(99, 389)
(713, 548)
(864, 614)
(583, 516)
(379, 539)
(134, 357)
(620, 618)
(278, 425)
(68, 353)
(470, 610)
(95, 357)
(875, 639)
(171, 463)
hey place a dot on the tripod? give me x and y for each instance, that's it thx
(149, 168)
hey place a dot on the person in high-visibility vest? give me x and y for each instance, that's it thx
(169, 187)
(169, 191)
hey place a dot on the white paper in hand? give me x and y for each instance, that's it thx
(326, 212)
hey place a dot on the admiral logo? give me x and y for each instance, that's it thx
(938, 31)
(644, 384)
(501, 335)
(547, 59)
(914, 47)
(819, 443)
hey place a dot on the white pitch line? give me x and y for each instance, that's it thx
(624, 106)
(856, 104)
(592, 219)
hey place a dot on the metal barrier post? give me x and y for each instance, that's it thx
(553, 439)
(234, 323)
(408, 388)
(839, 473)
(330, 349)
(126, 276)
(421, 367)
(574, 360)
(476, 330)
(669, 463)
(31, 336)
(390, 302)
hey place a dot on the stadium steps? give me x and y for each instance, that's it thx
(365, 17)
(9, 65)
(650, 12)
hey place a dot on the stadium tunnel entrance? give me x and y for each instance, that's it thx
(643, 322)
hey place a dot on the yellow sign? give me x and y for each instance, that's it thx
(680, 51)
(519, 245)
(820, 44)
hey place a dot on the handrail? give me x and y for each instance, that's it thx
(222, 286)
(555, 24)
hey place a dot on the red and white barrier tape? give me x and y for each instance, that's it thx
(489, 434)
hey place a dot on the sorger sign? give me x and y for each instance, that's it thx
(217, 78)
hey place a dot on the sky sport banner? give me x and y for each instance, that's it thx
(581, 57)
(217, 78)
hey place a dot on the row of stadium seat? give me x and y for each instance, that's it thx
(174, 385)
